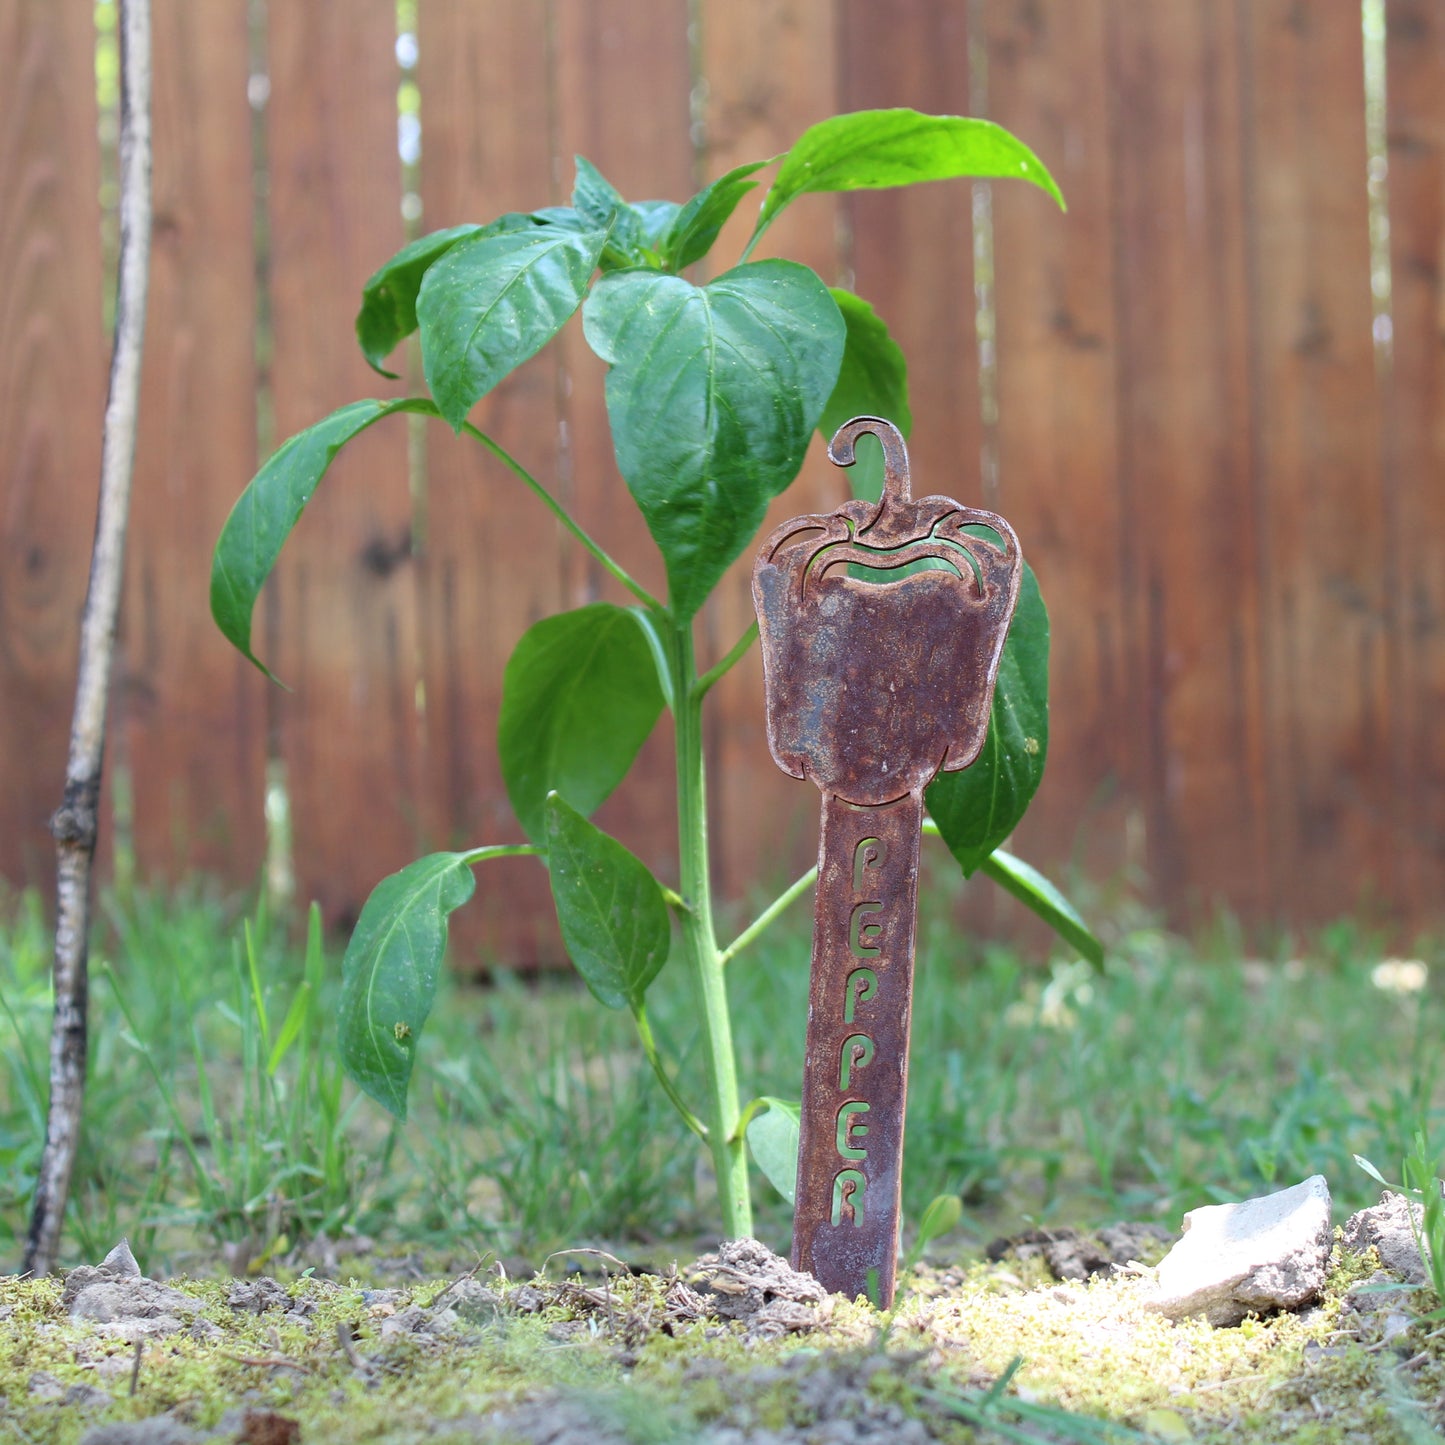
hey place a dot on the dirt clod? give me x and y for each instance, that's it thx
(119, 1264)
(746, 1281)
(527, 1299)
(45, 1386)
(550, 1420)
(259, 1295)
(265, 1427)
(122, 1302)
(472, 1302)
(157, 1430)
(1392, 1228)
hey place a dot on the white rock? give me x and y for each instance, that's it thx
(1246, 1258)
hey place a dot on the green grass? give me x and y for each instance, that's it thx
(1041, 1092)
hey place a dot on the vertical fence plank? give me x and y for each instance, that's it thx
(344, 613)
(911, 251)
(52, 393)
(1415, 127)
(771, 70)
(1318, 449)
(623, 101)
(492, 557)
(1057, 436)
(1188, 536)
(911, 254)
(190, 712)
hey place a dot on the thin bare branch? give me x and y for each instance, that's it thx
(75, 822)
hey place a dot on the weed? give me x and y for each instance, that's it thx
(269, 1157)
(216, 1104)
(1421, 1171)
(1007, 1417)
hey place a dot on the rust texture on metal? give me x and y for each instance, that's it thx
(872, 688)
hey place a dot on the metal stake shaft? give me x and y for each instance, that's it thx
(855, 1083)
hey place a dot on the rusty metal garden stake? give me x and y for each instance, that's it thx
(873, 687)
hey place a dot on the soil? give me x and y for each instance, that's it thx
(734, 1348)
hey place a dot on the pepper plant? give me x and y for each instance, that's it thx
(713, 390)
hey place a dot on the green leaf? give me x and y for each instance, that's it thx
(873, 381)
(978, 808)
(773, 1138)
(595, 199)
(565, 218)
(389, 973)
(601, 207)
(270, 507)
(291, 1027)
(1371, 1170)
(492, 302)
(388, 300)
(876, 149)
(579, 698)
(611, 910)
(712, 394)
(696, 226)
(1035, 891)
(942, 1214)
(657, 217)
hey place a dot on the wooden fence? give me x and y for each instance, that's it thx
(1221, 449)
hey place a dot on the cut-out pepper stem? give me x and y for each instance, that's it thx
(897, 485)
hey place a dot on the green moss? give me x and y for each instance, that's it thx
(621, 1354)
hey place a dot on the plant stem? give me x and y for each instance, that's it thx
(780, 904)
(699, 939)
(563, 516)
(736, 653)
(501, 850)
(752, 242)
(649, 1047)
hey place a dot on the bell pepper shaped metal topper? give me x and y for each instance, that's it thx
(872, 688)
